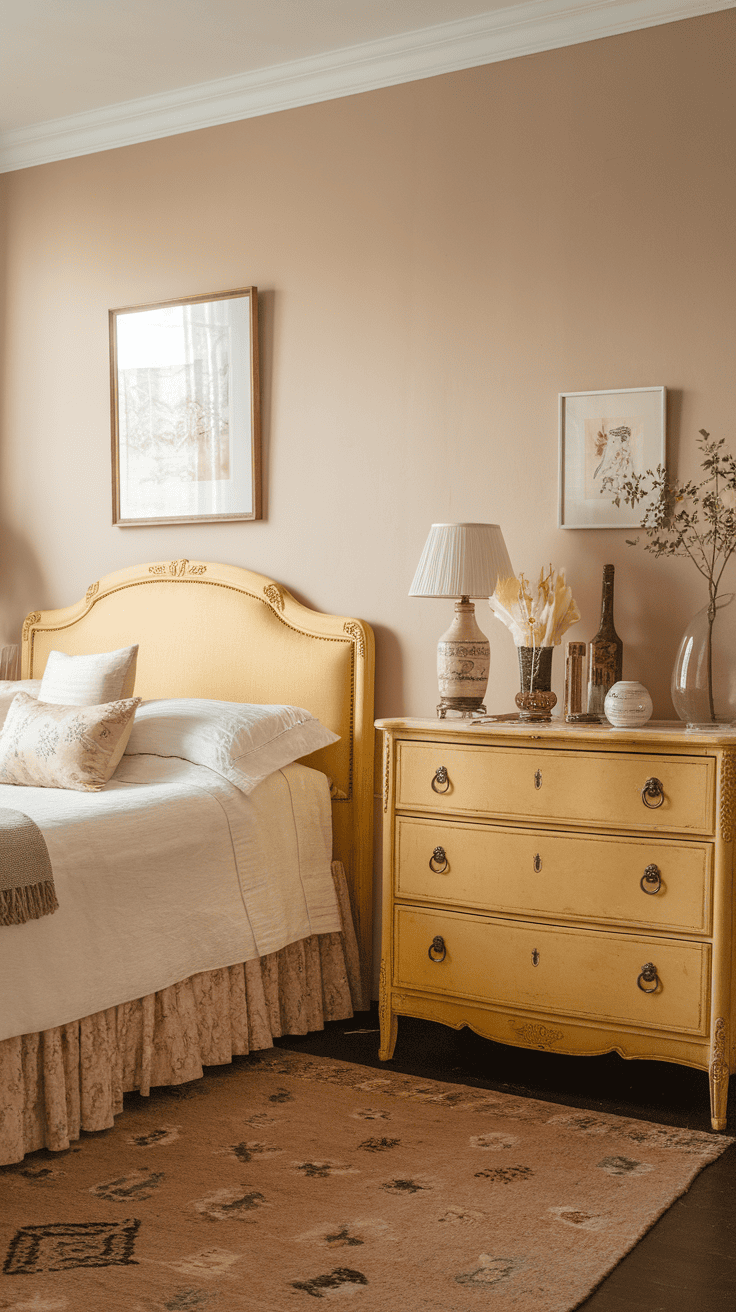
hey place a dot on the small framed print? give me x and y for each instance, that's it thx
(186, 440)
(605, 437)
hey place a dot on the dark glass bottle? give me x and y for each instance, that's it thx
(606, 651)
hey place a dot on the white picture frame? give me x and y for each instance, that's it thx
(604, 437)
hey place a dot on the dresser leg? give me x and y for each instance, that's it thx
(387, 1019)
(388, 1037)
(718, 1073)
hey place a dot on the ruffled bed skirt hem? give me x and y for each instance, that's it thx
(58, 1082)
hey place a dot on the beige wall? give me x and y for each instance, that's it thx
(436, 262)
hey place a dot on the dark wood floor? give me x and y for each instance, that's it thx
(687, 1261)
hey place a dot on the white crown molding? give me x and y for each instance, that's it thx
(519, 29)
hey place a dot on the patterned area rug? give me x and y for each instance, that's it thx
(286, 1179)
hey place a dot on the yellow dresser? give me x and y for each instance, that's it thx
(567, 888)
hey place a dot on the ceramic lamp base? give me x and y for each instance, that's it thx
(463, 659)
(465, 707)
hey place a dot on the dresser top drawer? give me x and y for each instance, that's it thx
(613, 790)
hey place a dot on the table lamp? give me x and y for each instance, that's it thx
(462, 561)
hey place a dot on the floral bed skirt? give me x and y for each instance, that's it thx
(58, 1082)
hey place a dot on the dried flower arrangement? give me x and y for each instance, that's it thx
(539, 620)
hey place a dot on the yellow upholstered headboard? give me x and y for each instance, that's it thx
(219, 631)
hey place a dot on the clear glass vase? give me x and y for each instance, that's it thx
(704, 677)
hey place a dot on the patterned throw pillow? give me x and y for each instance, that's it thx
(9, 688)
(52, 746)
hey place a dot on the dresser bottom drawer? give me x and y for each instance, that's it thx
(575, 972)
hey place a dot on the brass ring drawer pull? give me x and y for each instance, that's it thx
(439, 855)
(650, 976)
(653, 788)
(437, 945)
(652, 875)
(440, 777)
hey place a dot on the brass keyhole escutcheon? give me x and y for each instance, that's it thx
(537, 778)
(535, 957)
(537, 863)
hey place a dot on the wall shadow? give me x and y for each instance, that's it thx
(390, 698)
(673, 428)
(266, 302)
(21, 577)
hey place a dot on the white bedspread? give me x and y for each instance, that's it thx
(168, 871)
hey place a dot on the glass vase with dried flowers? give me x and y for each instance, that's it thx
(697, 519)
(537, 621)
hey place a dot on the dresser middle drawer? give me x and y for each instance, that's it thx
(650, 882)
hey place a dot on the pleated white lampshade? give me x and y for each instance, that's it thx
(461, 560)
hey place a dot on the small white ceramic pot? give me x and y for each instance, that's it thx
(628, 704)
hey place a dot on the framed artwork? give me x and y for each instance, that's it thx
(605, 437)
(186, 437)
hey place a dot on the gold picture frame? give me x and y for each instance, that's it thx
(185, 410)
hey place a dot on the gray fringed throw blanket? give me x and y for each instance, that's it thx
(26, 879)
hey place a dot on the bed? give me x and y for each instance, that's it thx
(222, 633)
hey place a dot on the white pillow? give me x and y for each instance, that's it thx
(8, 689)
(106, 676)
(244, 743)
